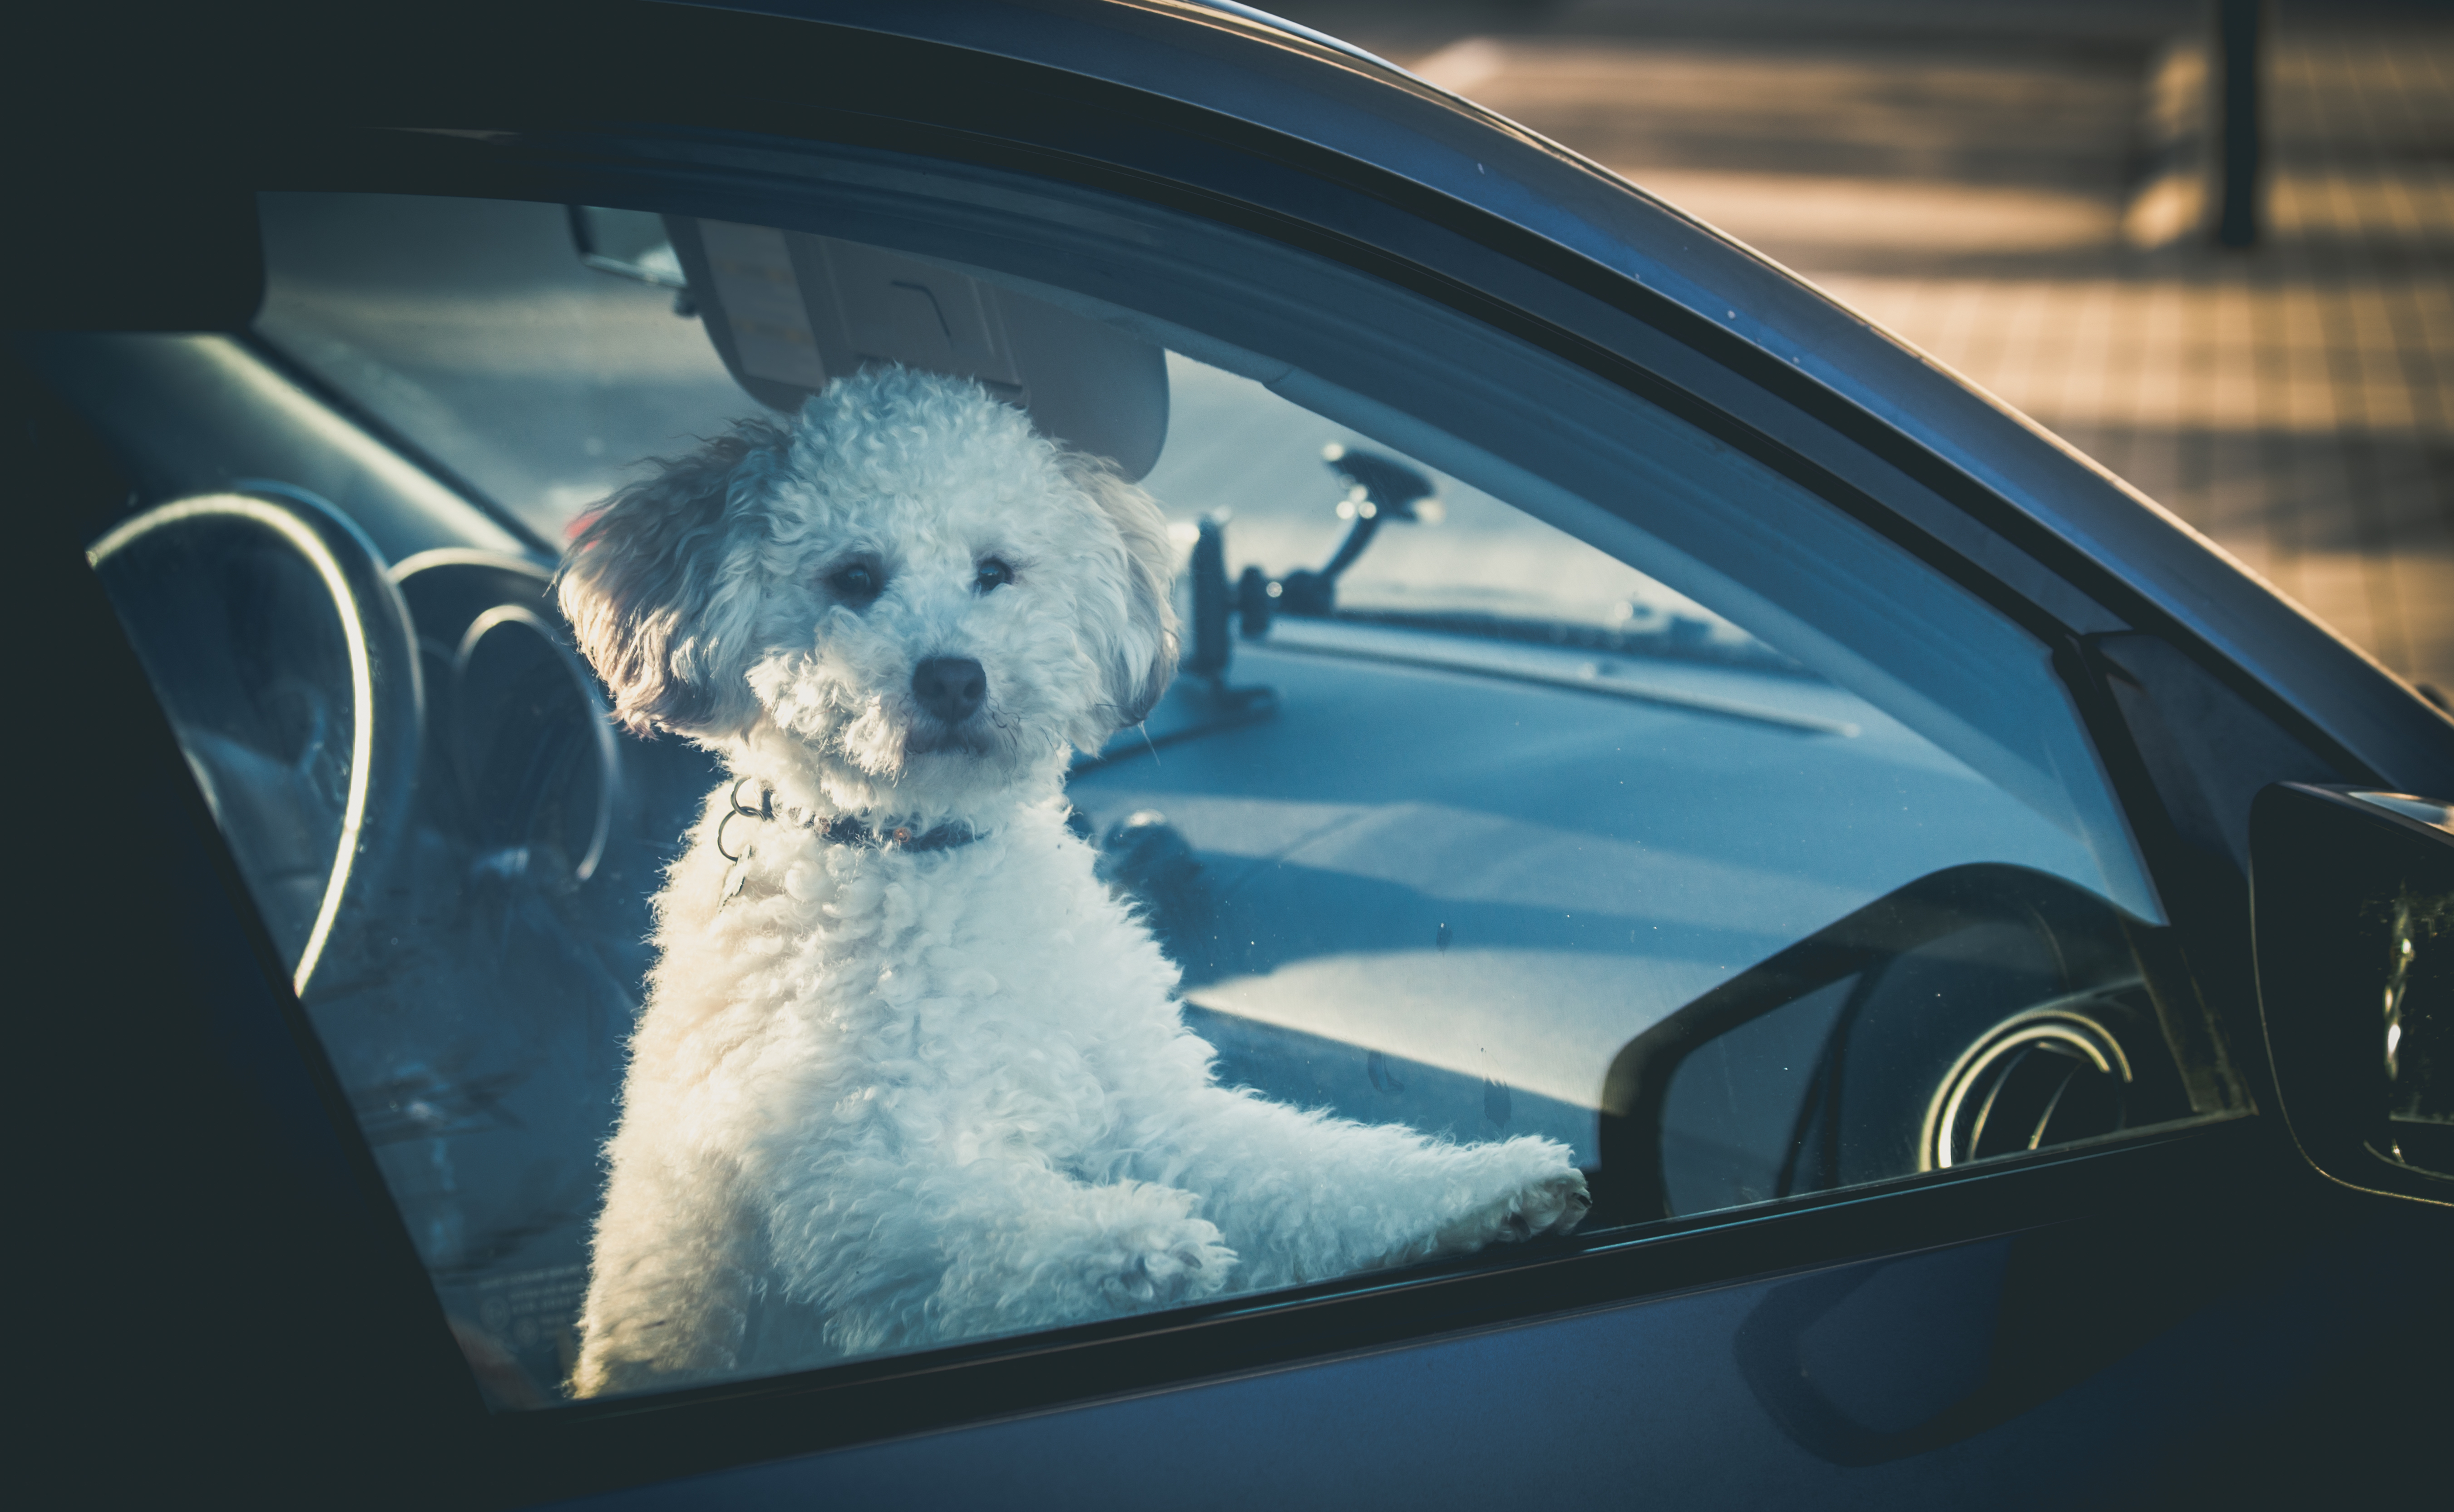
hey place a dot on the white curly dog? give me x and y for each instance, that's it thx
(908, 1074)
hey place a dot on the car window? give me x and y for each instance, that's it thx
(1559, 818)
(473, 328)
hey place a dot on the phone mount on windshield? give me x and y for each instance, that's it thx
(1378, 489)
(1202, 699)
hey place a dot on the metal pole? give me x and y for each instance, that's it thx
(2237, 143)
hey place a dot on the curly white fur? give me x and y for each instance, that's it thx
(881, 1099)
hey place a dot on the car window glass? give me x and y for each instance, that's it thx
(1613, 789)
(473, 328)
(1263, 464)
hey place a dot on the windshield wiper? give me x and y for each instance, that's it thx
(1681, 638)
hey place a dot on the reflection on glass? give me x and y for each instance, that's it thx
(1739, 1114)
(252, 627)
(2419, 1007)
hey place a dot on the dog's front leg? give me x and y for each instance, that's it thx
(674, 1269)
(993, 1247)
(1303, 1196)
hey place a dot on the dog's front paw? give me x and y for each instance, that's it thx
(1553, 1206)
(1551, 1203)
(1170, 1270)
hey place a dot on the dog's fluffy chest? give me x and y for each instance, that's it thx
(971, 999)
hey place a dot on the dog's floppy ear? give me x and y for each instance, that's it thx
(1144, 657)
(654, 591)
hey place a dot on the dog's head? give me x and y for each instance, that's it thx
(907, 586)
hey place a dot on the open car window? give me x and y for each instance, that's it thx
(1538, 764)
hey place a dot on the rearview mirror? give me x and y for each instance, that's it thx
(2352, 899)
(627, 244)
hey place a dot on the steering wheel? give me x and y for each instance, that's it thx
(287, 664)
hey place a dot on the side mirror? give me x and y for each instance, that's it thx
(1978, 1013)
(2352, 901)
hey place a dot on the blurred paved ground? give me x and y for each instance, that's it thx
(2015, 188)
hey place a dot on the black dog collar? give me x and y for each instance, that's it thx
(845, 830)
(842, 830)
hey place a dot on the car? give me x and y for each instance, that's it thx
(1943, 904)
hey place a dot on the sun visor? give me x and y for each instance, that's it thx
(789, 310)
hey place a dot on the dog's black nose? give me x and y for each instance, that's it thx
(950, 687)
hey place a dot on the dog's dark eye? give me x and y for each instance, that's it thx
(854, 582)
(994, 574)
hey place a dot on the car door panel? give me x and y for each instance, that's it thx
(2083, 1363)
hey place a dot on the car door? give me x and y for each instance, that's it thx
(1849, 872)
